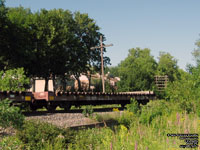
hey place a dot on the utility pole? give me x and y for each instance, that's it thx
(102, 66)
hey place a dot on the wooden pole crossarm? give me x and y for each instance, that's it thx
(101, 47)
(102, 68)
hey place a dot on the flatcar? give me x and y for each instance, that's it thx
(51, 100)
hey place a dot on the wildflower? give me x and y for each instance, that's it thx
(123, 132)
(111, 146)
(61, 136)
(130, 113)
(174, 142)
(136, 145)
(116, 109)
(178, 118)
(182, 119)
(43, 141)
(167, 141)
(123, 128)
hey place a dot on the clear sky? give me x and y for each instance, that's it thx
(162, 25)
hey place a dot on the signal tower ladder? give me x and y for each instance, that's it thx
(161, 82)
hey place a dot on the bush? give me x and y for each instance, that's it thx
(133, 106)
(10, 143)
(10, 115)
(37, 135)
(13, 80)
(152, 110)
(88, 111)
(187, 106)
(184, 93)
(95, 138)
(127, 119)
(197, 109)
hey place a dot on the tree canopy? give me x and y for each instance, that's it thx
(196, 53)
(167, 65)
(49, 43)
(137, 70)
(13, 80)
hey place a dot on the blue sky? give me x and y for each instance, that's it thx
(161, 25)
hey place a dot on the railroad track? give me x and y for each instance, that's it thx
(80, 110)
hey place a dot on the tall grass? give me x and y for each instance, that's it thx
(144, 129)
(140, 136)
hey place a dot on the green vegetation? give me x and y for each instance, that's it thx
(88, 111)
(52, 38)
(167, 65)
(139, 136)
(97, 83)
(13, 80)
(10, 143)
(146, 129)
(133, 106)
(37, 135)
(47, 39)
(106, 117)
(10, 116)
(137, 71)
(139, 68)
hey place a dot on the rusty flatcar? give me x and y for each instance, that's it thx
(65, 100)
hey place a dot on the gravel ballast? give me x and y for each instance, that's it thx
(66, 120)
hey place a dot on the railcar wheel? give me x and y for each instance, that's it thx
(33, 108)
(123, 106)
(51, 108)
(67, 107)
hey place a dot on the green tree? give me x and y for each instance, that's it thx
(88, 35)
(114, 71)
(50, 38)
(4, 30)
(13, 80)
(185, 91)
(54, 42)
(15, 45)
(137, 71)
(196, 53)
(167, 65)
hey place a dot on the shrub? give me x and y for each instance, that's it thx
(10, 143)
(88, 111)
(197, 109)
(10, 115)
(187, 106)
(185, 92)
(37, 135)
(96, 138)
(126, 119)
(13, 80)
(152, 110)
(57, 145)
(133, 106)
